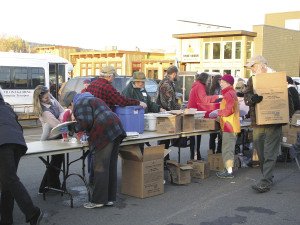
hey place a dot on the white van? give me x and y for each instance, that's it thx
(20, 73)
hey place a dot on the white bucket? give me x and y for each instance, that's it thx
(150, 121)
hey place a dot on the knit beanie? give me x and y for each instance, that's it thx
(228, 78)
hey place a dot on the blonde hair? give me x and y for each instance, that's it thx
(37, 107)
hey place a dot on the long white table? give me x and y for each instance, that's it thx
(43, 149)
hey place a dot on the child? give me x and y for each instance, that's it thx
(229, 115)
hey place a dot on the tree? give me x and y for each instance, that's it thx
(13, 43)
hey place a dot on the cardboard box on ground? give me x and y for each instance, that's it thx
(290, 131)
(179, 173)
(216, 161)
(200, 169)
(273, 109)
(142, 174)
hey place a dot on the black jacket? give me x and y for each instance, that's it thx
(11, 131)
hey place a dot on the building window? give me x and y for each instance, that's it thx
(227, 72)
(237, 73)
(207, 48)
(238, 50)
(248, 49)
(152, 74)
(228, 50)
(216, 50)
(216, 71)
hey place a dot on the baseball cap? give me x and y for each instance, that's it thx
(256, 59)
(108, 70)
(138, 76)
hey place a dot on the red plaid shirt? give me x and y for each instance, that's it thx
(102, 89)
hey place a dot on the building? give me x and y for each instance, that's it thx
(223, 52)
(62, 51)
(228, 51)
(153, 64)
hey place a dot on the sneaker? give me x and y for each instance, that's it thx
(224, 174)
(260, 188)
(36, 220)
(109, 204)
(90, 205)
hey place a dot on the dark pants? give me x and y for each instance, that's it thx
(91, 167)
(266, 140)
(105, 173)
(51, 176)
(12, 188)
(192, 147)
(212, 142)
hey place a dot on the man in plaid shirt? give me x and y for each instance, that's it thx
(103, 89)
(105, 133)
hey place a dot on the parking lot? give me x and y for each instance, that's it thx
(211, 201)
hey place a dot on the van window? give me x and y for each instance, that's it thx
(21, 77)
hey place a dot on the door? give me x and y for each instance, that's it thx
(56, 77)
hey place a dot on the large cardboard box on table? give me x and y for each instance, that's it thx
(206, 124)
(188, 122)
(168, 124)
(142, 174)
(274, 107)
(180, 173)
(200, 169)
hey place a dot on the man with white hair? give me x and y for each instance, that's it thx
(266, 138)
(103, 89)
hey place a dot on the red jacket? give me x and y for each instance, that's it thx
(198, 95)
(229, 111)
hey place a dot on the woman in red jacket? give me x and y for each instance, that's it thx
(198, 96)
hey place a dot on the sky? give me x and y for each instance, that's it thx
(131, 24)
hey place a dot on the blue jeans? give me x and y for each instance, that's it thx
(12, 188)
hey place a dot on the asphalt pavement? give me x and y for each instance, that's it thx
(210, 201)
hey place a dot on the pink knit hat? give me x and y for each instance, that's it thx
(228, 78)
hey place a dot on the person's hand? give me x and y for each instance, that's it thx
(162, 110)
(143, 104)
(214, 114)
(256, 98)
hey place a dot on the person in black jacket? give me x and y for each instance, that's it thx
(12, 148)
(294, 93)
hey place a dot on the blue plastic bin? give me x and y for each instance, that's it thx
(132, 118)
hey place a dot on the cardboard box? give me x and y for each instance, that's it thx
(216, 162)
(292, 134)
(188, 123)
(200, 169)
(285, 132)
(168, 124)
(206, 124)
(142, 175)
(180, 173)
(296, 119)
(273, 109)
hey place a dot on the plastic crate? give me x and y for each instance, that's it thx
(132, 118)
